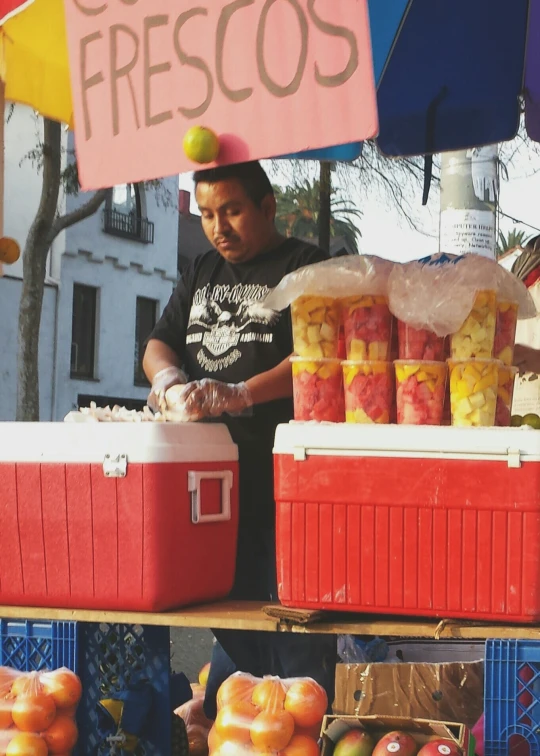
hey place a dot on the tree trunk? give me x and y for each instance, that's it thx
(35, 254)
(325, 198)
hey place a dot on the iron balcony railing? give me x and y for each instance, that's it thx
(128, 226)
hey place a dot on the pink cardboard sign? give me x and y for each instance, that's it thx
(270, 77)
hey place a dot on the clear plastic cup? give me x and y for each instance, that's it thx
(420, 344)
(476, 337)
(369, 391)
(505, 332)
(367, 323)
(420, 391)
(505, 394)
(318, 390)
(315, 324)
(473, 392)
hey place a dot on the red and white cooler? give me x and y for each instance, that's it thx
(118, 516)
(422, 521)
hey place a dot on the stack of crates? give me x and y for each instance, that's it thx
(512, 698)
(108, 658)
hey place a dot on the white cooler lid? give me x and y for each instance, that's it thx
(140, 442)
(413, 441)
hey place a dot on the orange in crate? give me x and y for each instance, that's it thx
(307, 702)
(63, 686)
(301, 745)
(272, 730)
(235, 688)
(61, 736)
(234, 721)
(33, 712)
(269, 694)
(27, 744)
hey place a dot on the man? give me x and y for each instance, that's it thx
(236, 354)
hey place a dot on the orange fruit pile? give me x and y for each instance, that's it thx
(37, 712)
(268, 716)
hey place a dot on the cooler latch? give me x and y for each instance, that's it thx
(299, 454)
(115, 467)
(514, 458)
(194, 487)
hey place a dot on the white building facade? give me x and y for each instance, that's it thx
(109, 278)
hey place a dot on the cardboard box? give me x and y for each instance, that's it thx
(442, 692)
(423, 650)
(422, 730)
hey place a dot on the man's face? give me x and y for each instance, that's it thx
(232, 222)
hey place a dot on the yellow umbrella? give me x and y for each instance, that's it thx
(34, 69)
(34, 60)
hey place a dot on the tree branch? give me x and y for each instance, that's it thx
(85, 211)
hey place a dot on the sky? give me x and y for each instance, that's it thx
(386, 233)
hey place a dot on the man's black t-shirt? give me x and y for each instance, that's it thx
(216, 322)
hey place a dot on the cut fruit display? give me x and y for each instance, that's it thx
(318, 390)
(420, 392)
(476, 337)
(419, 343)
(473, 392)
(369, 391)
(505, 332)
(505, 394)
(367, 322)
(315, 323)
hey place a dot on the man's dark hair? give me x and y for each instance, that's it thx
(252, 176)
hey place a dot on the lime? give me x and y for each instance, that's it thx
(532, 420)
(201, 144)
(516, 421)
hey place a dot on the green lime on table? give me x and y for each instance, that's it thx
(532, 420)
(516, 421)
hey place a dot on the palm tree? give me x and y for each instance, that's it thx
(298, 209)
(514, 239)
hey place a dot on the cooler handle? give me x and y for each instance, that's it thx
(194, 487)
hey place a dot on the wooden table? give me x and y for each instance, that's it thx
(238, 615)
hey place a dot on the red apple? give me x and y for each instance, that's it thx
(355, 743)
(440, 747)
(397, 742)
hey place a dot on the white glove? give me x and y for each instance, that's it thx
(163, 381)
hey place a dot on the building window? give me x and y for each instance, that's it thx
(125, 214)
(145, 320)
(83, 331)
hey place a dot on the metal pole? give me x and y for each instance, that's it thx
(469, 197)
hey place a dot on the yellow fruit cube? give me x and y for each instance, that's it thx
(358, 349)
(506, 355)
(373, 351)
(314, 334)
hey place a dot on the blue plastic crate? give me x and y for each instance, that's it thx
(32, 646)
(113, 658)
(512, 697)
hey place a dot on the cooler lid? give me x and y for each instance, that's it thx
(413, 441)
(140, 442)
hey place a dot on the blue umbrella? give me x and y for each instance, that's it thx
(451, 74)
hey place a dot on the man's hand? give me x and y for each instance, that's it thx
(164, 380)
(527, 359)
(209, 398)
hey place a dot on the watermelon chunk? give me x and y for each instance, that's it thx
(367, 324)
(419, 343)
(318, 391)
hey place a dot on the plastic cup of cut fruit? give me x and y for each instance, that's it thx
(476, 337)
(420, 344)
(505, 332)
(420, 391)
(473, 392)
(367, 323)
(315, 324)
(318, 390)
(505, 394)
(369, 391)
